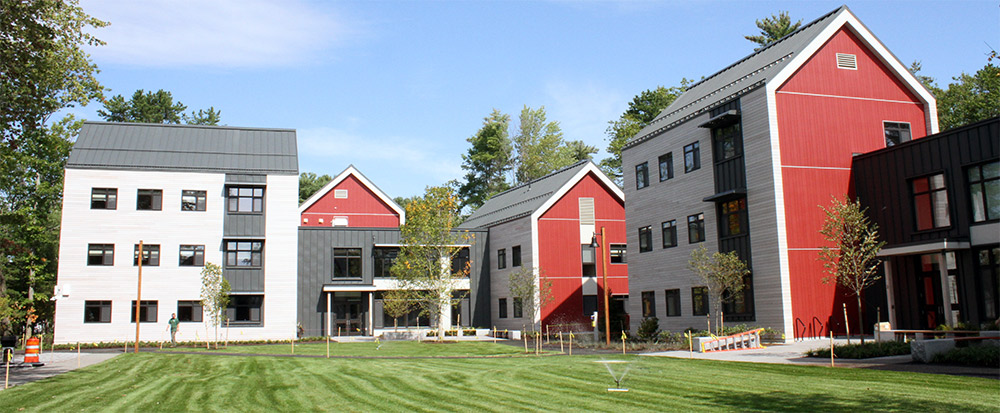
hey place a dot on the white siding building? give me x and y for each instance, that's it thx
(191, 194)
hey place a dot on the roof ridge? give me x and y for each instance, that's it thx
(179, 125)
(549, 175)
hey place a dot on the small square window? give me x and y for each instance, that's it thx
(193, 200)
(192, 256)
(150, 255)
(147, 311)
(896, 133)
(189, 311)
(617, 252)
(104, 198)
(100, 254)
(669, 230)
(347, 263)
(515, 256)
(642, 175)
(149, 200)
(692, 157)
(645, 239)
(97, 311)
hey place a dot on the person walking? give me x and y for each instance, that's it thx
(174, 322)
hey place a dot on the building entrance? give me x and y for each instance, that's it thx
(348, 314)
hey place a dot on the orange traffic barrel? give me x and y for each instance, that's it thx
(31, 350)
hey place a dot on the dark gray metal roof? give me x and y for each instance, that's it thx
(193, 148)
(738, 78)
(522, 200)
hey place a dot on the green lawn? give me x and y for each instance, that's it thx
(382, 349)
(197, 382)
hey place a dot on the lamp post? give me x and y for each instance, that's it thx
(604, 278)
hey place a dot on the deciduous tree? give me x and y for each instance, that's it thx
(723, 273)
(970, 99)
(534, 293)
(774, 28)
(538, 146)
(214, 296)
(397, 303)
(852, 258)
(424, 264)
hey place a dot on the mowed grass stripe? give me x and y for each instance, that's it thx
(171, 382)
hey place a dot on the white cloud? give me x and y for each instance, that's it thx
(215, 33)
(583, 110)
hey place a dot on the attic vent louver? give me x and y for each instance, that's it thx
(340, 193)
(847, 61)
(586, 211)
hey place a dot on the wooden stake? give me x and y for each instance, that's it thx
(6, 363)
(690, 346)
(525, 337)
(561, 349)
(847, 325)
(328, 345)
(292, 342)
(77, 354)
(831, 349)
(623, 342)
(547, 335)
(494, 334)
(571, 343)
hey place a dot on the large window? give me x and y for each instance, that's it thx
(642, 175)
(193, 200)
(666, 166)
(189, 311)
(149, 200)
(930, 202)
(192, 256)
(649, 303)
(104, 198)
(989, 282)
(696, 228)
(502, 308)
(461, 263)
(245, 199)
(896, 133)
(97, 311)
(645, 239)
(984, 188)
(245, 309)
(150, 255)
(727, 142)
(669, 230)
(617, 252)
(244, 253)
(501, 258)
(692, 157)
(100, 254)
(347, 263)
(515, 256)
(699, 300)
(734, 217)
(383, 258)
(673, 302)
(147, 311)
(518, 307)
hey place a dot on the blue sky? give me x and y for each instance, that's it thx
(396, 87)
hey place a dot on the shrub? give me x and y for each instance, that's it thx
(978, 356)
(863, 351)
(648, 329)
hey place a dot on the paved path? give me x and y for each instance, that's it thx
(794, 353)
(55, 363)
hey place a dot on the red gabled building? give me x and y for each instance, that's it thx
(547, 226)
(351, 200)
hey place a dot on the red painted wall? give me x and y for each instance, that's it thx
(361, 207)
(826, 114)
(559, 257)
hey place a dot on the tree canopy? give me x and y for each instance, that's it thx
(487, 161)
(724, 275)
(773, 28)
(538, 146)
(154, 107)
(309, 183)
(970, 99)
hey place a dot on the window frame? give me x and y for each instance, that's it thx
(618, 253)
(675, 310)
(727, 215)
(110, 198)
(233, 310)
(155, 200)
(383, 259)
(889, 127)
(518, 308)
(107, 254)
(101, 306)
(666, 166)
(648, 304)
(983, 183)
(932, 193)
(235, 198)
(501, 258)
(692, 157)
(197, 255)
(150, 255)
(196, 316)
(642, 171)
(646, 234)
(200, 200)
(350, 261)
(670, 226)
(702, 293)
(698, 221)
(256, 250)
(726, 140)
(144, 311)
(515, 256)
(502, 308)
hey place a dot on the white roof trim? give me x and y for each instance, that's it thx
(588, 168)
(351, 170)
(846, 18)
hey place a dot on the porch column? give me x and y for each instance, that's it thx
(945, 302)
(329, 296)
(889, 289)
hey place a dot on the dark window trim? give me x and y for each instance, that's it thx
(930, 192)
(619, 252)
(642, 170)
(676, 292)
(502, 308)
(196, 316)
(233, 309)
(501, 258)
(646, 231)
(740, 214)
(145, 307)
(705, 300)
(235, 262)
(694, 148)
(155, 203)
(101, 306)
(982, 183)
(348, 255)
(198, 255)
(515, 256)
(518, 308)
(698, 235)
(200, 199)
(150, 255)
(672, 224)
(107, 254)
(234, 208)
(648, 302)
(666, 164)
(896, 126)
(110, 198)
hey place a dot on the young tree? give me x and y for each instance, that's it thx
(424, 264)
(214, 296)
(534, 293)
(487, 161)
(852, 261)
(774, 28)
(538, 144)
(723, 273)
(397, 303)
(309, 183)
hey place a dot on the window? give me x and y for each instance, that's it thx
(696, 228)
(192, 256)
(649, 303)
(501, 258)
(984, 188)
(100, 254)
(384, 258)
(666, 166)
(727, 144)
(193, 200)
(149, 200)
(502, 313)
(243, 253)
(189, 311)
(669, 229)
(645, 239)
(699, 300)
(518, 307)
(692, 157)
(734, 218)
(989, 282)
(642, 175)
(896, 133)
(588, 257)
(97, 311)
(245, 199)
(245, 309)
(147, 312)
(104, 198)
(930, 202)
(617, 252)
(673, 302)
(515, 256)
(150, 255)
(460, 263)
(347, 263)
(589, 305)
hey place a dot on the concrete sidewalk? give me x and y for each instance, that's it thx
(794, 353)
(55, 363)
